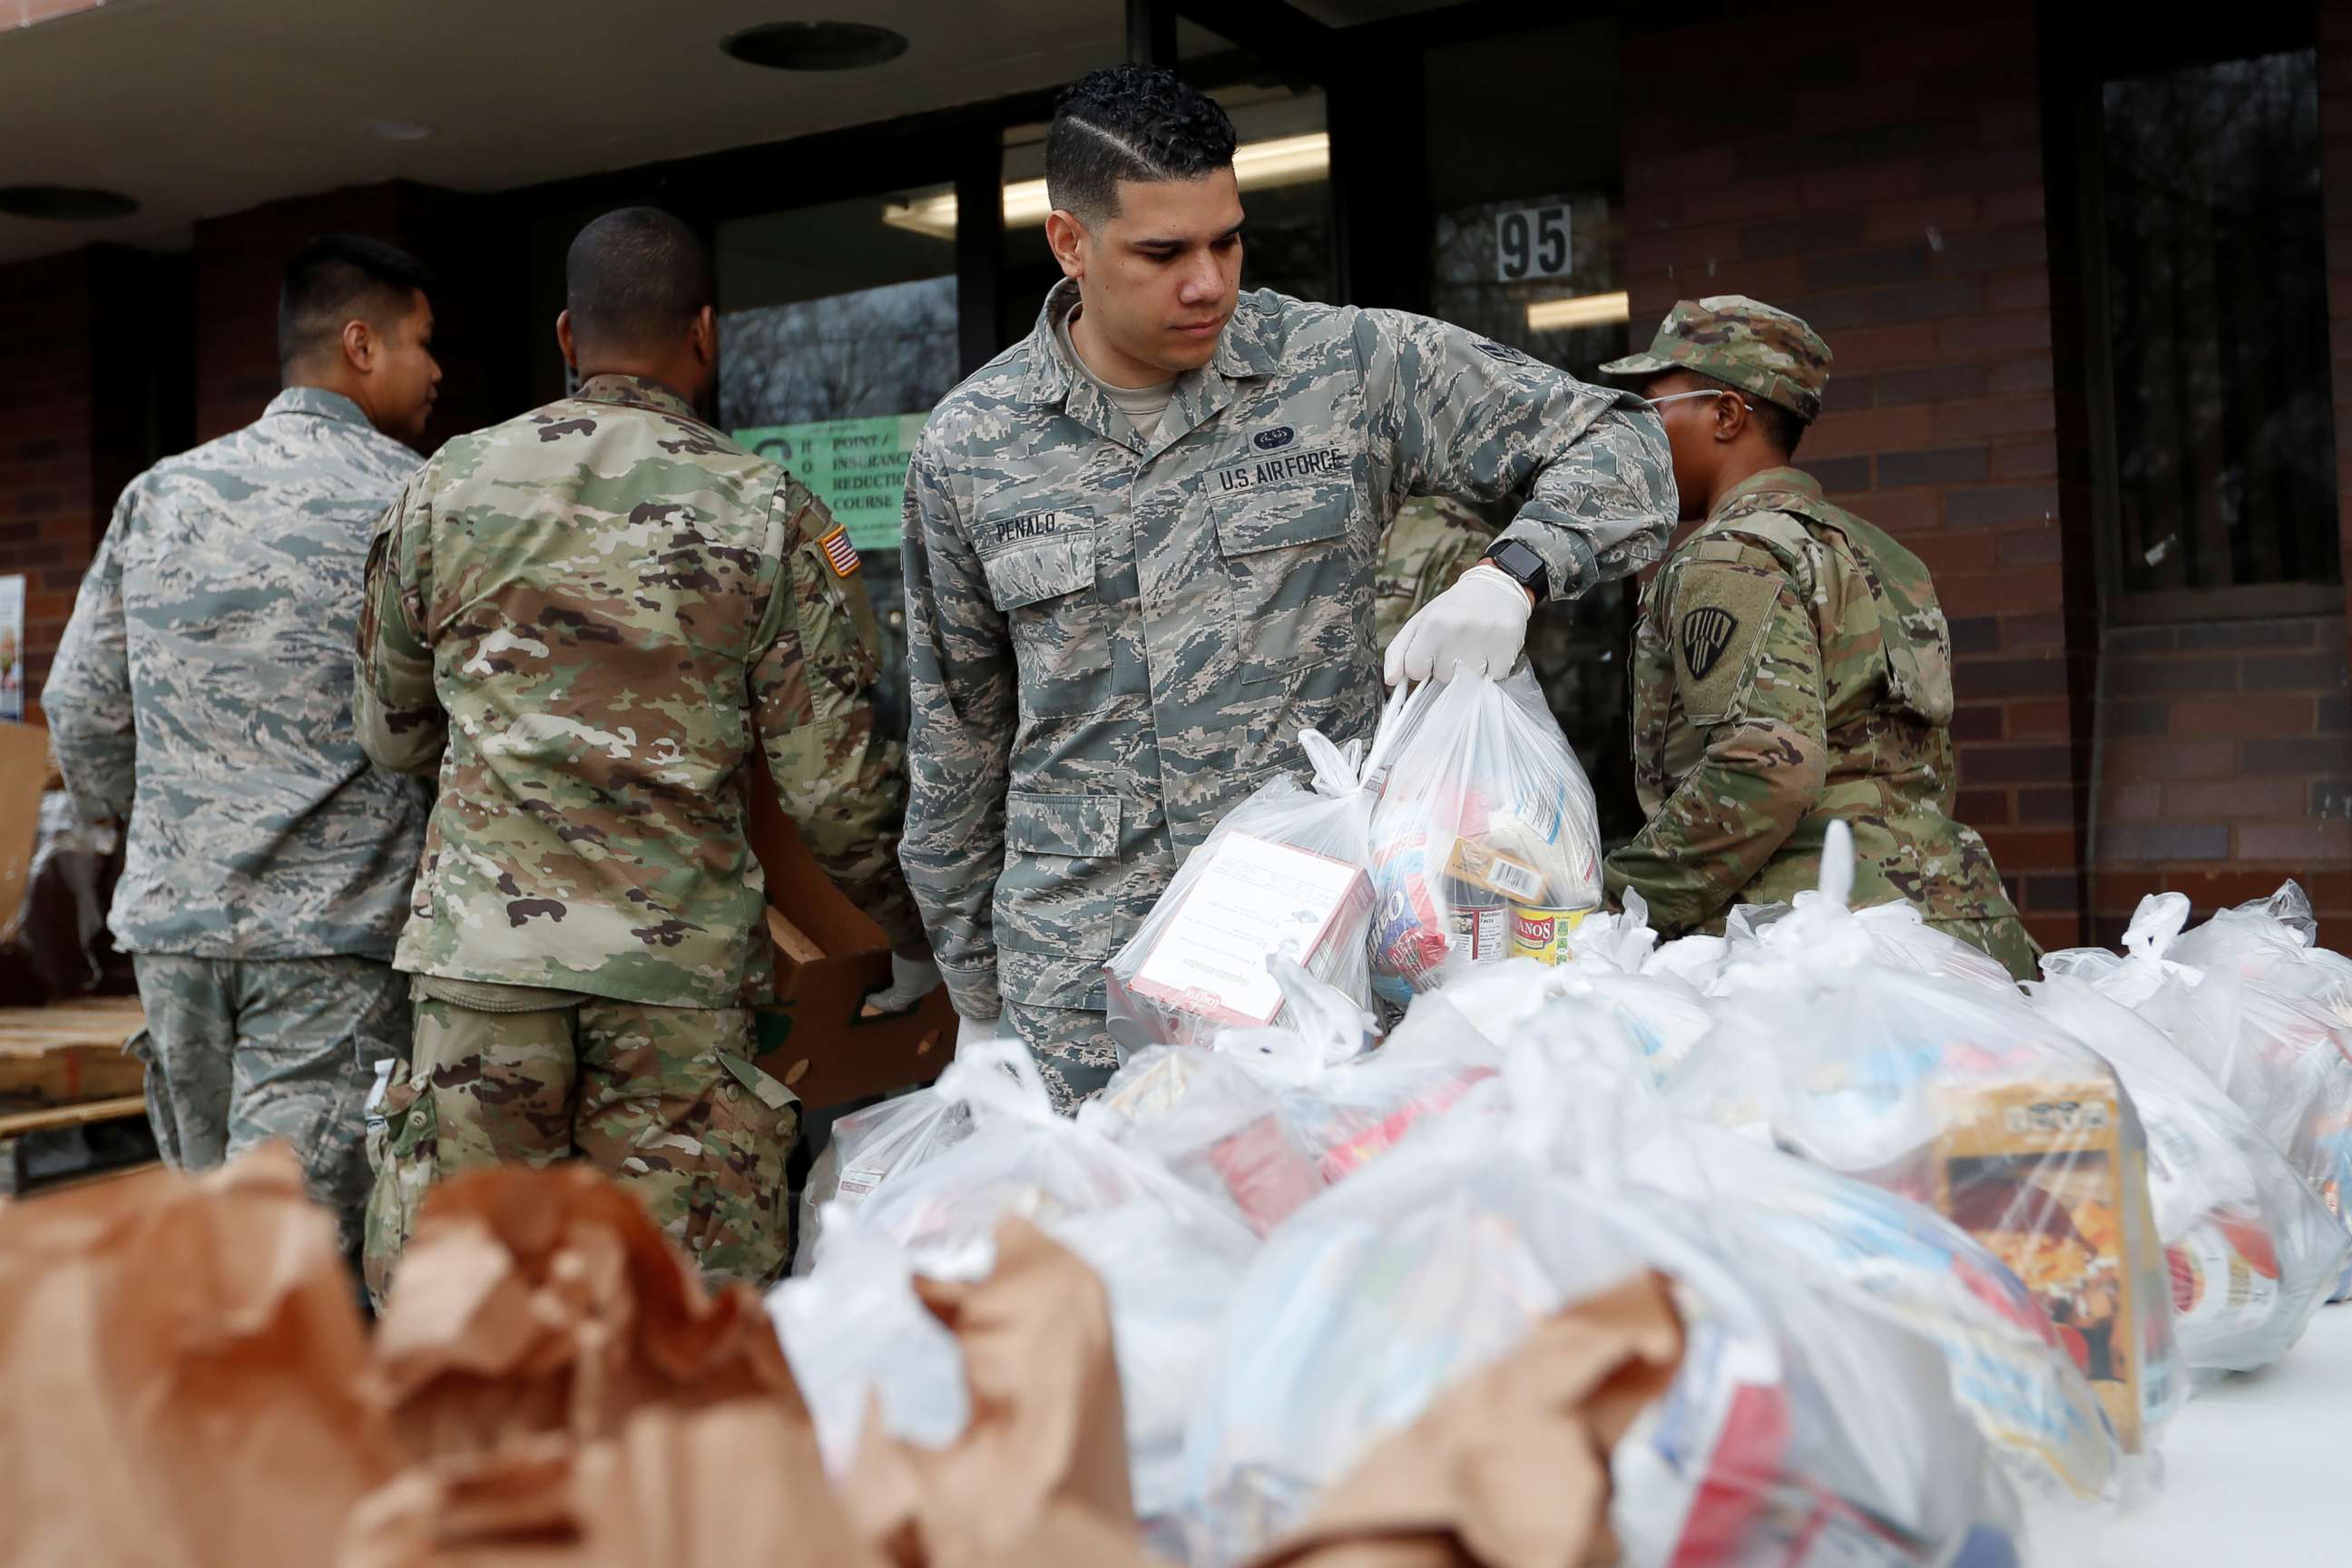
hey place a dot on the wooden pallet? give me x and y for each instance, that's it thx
(69, 1052)
(53, 1147)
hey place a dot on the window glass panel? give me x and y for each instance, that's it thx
(2216, 298)
(1526, 247)
(837, 336)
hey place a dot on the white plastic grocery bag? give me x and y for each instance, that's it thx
(1483, 810)
(1286, 872)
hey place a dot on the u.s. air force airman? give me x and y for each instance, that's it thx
(1791, 667)
(620, 622)
(202, 693)
(1141, 552)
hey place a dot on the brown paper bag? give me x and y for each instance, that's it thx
(536, 1302)
(1072, 1537)
(1510, 1469)
(720, 1485)
(1046, 1433)
(185, 1373)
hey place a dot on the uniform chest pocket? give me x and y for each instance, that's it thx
(1300, 576)
(1059, 626)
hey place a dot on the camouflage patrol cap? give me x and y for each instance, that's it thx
(1741, 343)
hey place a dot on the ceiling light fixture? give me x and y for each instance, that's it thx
(65, 203)
(1582, 310)
(815, 46)
(1257, 167)
(398, 130)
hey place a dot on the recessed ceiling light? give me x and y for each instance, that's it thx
(398, 130)
(815, 46)
(65, 203)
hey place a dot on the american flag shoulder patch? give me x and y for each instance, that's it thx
(839, 554)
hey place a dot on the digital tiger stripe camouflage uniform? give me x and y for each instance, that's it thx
(614, 615)
(1113, 640)
(201, 692)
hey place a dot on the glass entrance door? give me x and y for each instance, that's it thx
(838, 335)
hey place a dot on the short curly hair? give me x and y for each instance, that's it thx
(1129, 122)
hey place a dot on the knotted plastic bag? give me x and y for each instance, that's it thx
(866, 1148)
(1285, 872)
(2278, 1052)
(1483, 810)
(1795, 1421)
(1961, 1098)
(2251, 1251)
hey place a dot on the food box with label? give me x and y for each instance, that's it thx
(1249, 899)
(2051, 1177)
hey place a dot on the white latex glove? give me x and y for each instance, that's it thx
(981, 1031)
(911, 980)
(1479, 624)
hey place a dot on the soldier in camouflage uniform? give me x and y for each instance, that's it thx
(202, 691)
(1791, 667)
(1141, 548)
(620, 622)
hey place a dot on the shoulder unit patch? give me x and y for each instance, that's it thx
(1721, 612)
(1706, 632)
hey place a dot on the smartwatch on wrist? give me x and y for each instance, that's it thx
(1521, 565)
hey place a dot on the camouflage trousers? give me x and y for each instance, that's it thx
(2003, 938)
(1072, 1048)
(666, 1101)
(240, 1051)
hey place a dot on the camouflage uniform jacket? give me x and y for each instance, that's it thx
(1112, 640)
(1791, 667)
(610, 610)
(203, 690)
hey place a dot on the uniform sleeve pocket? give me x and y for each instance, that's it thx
(1043, 569)
(1078, 824)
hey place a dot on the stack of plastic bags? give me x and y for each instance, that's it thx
(1796, 1422)
(1168, 1257)
(1264, 1118)
(1928, 1238)
(2254, 1012)
(1967, 1101)
(2250, 1250)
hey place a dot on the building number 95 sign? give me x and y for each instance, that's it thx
(1531, 242)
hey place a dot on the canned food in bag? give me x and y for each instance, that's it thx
(1540, 933)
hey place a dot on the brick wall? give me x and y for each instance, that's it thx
(1885, 183)
(48, 516)
(479, 337)
(2225, 747)
(2225, 767)
(111, 359)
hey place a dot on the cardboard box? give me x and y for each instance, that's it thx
(24, 770)
(829, 957)
(2045, 1175)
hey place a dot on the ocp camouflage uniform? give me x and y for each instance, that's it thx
(1792, 668)
(202, 691)
(1113, 640)
(621, 621)
(1430, 541)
